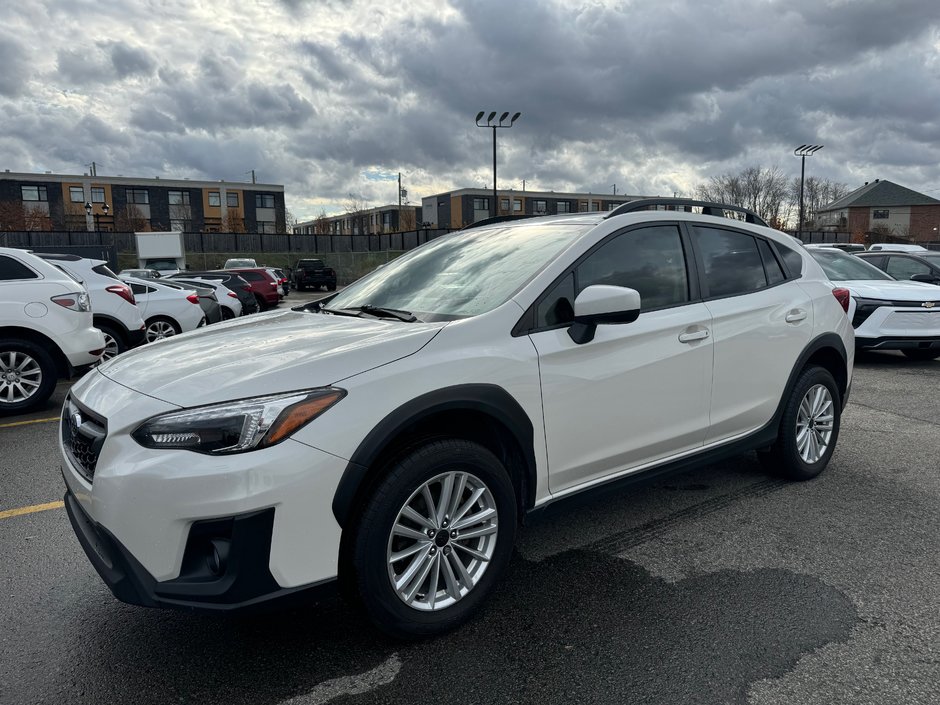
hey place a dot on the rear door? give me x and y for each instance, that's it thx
(761, 322)
(638, 392)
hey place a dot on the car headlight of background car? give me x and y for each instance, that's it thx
(864, 308)
(237, 426)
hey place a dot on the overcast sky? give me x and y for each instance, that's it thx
(336, 97)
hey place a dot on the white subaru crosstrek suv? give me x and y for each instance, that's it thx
(46, 330)
(393, 435)
(112, 301)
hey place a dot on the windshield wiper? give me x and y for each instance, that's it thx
(337, 311)
(380, 312)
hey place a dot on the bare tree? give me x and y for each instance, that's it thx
(407, 219)
(130, 219)
(321, 226)
(817, 194)
(764, 191)
(355, 207)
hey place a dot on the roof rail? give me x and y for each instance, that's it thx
(502, 219)
(708, 208)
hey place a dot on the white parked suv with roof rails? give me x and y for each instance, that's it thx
(393, 435)
(46, 330)
(112, 301)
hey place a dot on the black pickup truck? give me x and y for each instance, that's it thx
(313, 273)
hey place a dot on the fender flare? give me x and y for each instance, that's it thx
(489, 399)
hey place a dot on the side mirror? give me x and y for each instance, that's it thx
(602, 304)
(926, 278)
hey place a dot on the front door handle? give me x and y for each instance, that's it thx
(796, 315)
(690, 336)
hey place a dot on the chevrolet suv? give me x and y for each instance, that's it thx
(392, 436)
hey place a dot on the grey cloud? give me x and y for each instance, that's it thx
(15, 68)
(129, 60)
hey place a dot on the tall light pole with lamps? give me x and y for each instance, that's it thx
(494, 209)
(803, 151)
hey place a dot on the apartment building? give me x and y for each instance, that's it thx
(119, 203)
(368, 221)
(456, 209)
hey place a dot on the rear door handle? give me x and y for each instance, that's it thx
(796, 315)
(691, 336)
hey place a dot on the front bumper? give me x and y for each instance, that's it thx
(237, 580)
(895, 342)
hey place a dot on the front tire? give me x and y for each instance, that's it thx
(809, 427)
(435, 537)
(27, 376)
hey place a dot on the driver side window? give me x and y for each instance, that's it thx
(650, 260)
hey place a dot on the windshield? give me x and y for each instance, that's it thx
(842, 267)
(463, 274)
(162, 265)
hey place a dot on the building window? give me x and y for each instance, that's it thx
(481, 204)
(182, 226)
(504, 204)
(264, 200)
(76, 194)
(266, 226)
(215, 199)
(387, 219)
(540, 207)
(563, 207)
(517, 205)
(582, 206)
(595, 206)
(179, 198)
(879, 215)
(612, 205)
(34, 193)
(138, 195)
(231, 199)
(97, 194)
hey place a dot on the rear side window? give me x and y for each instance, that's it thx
(252, 276)
(793, 260)
(732, 261)
(138, 289)
(104, 271)
(11, 270)
(772, 267)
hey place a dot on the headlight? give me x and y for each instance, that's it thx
(864, 308)
(237, 426)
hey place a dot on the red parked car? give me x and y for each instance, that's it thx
(262, 285)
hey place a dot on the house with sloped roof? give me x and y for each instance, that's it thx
(885, 208)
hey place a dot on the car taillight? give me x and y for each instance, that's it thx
(842, 296)
(274, 284)
(124, 291)
(232, 295)
(193, 298)
(76, 302)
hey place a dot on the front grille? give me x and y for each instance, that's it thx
(83, 434)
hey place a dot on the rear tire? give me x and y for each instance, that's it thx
(331, 287)
(453, 563)
(161, 327)
(114, 343)
(27, 376)
(924, 355)
(809, 428)
(227, 313)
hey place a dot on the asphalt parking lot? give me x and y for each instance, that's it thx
(722, 585)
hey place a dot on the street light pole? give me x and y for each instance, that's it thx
(803, 151)
(494, 209)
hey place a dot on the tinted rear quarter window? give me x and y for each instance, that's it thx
(792, 259)
(11, 269)
(104, 271)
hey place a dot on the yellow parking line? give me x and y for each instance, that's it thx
(25, 423)
(6, 514)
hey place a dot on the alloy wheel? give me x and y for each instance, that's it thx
(814, 422)
(20, 376)
(158, 330)
(111, 347)
(442, 541)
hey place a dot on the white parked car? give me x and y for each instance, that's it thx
(228, 300)
(167, 309)
(896, 247)
(46, 330)
(887, 314)
(394, 434)
(239, 262)
(112, 301)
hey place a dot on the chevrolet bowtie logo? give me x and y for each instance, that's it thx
(928, 304)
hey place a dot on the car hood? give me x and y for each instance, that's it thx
(892, 290)
(264, 354)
